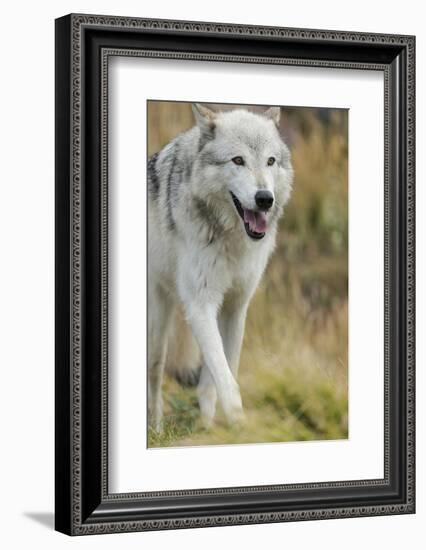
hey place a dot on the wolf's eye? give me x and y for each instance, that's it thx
(271, 161)
(239, 161)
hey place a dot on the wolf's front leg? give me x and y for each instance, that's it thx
(231, 324)
(207, 396)
(203, 320)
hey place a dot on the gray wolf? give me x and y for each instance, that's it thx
(215, 195)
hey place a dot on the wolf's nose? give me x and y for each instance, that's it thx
(264, 200)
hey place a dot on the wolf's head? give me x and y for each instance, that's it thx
(244, 165)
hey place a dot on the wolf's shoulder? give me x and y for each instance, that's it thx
(180, 151)
(169, 172)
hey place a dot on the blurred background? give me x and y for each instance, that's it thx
(294, 363)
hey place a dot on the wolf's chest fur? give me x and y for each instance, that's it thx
(225, 266)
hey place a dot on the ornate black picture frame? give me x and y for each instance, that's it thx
(83, 45)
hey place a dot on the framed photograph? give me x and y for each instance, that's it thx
(234, 274)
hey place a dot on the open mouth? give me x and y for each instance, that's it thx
(254, 221)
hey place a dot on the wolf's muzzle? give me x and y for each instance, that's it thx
(254, 221)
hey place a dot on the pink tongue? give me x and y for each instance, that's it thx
(255, 220)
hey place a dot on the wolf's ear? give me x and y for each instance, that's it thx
(204, 117)
(274, 113)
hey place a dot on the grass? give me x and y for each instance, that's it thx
(294, 364)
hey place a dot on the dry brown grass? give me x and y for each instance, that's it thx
(293, 371)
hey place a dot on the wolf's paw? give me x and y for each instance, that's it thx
(155, 420)
(233, 409)
(236, 418)
(207, 401)
(188, 378)
(207, 421)
(156, 425)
